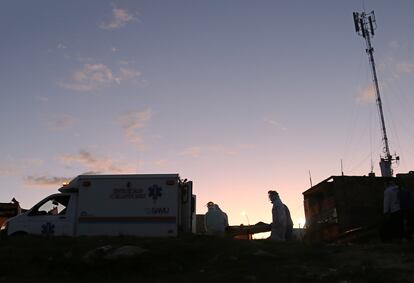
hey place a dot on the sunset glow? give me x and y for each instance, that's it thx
(241, 97)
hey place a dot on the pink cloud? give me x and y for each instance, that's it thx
(96, 163)
(131, 122)
(120, 17)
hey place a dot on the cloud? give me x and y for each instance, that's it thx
(91, 173)
(405, 67)
(12, 167)
(61, 46)
(61, 122)
(274, 123)
(45, 181)
(394, 68)
(193, 151)
(52, 181)
(160, 162)
(133, 121)
(7, 171)
(127, 74)
(366, 95)
(222, 149)
(246, 146)
(31, 162)
(95, 76)
(94, 163)
(394, 44)
(197, 151)
(90, 77)
(120, 17)
(42, 99)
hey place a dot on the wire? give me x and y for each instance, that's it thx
(364, 159)
(355, 119)
(400, 96)
(394, 129)
(370, 139)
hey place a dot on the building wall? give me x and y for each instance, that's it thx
(343, 203)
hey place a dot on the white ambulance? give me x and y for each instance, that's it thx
(108, 205)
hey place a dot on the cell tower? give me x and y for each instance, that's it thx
(365, 25)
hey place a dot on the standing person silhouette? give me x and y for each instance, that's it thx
(215, 220)
(392, 212)
(279, 217)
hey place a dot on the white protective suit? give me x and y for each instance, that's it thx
(215, 221)
(224, 215)
(279, 219)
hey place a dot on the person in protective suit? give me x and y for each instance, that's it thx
(289, 224)
(224, 216)
(279, 217)
(215, 220)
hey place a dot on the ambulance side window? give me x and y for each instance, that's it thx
(53, 206)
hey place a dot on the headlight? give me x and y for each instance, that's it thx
(4, 226)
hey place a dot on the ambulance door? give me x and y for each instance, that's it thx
(52, 217)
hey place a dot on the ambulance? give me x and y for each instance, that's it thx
(142, 205)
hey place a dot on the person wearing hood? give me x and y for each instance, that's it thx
(279, 217)
(224, 216)
(215, 221)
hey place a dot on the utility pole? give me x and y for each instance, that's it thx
(365, 25)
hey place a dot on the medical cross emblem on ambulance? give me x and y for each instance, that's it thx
(154, 192)
(48, 229)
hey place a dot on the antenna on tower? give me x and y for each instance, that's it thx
(356, 23)
(372, 167)
(365, 25)
(310, 178)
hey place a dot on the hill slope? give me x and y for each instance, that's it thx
(199, 259)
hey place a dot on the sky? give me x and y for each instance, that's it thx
(239, 96)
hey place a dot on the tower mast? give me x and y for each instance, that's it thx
(365, 25)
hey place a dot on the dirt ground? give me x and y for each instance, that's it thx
(200, 259)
